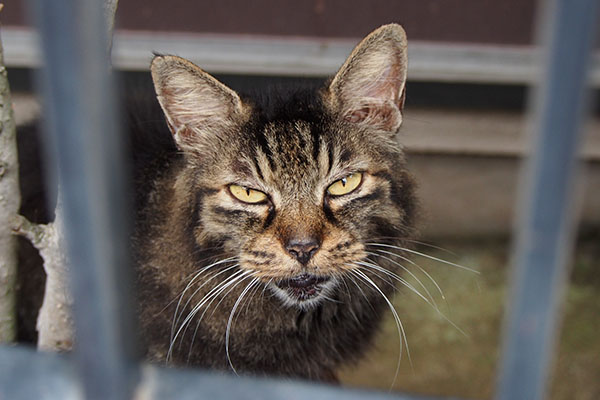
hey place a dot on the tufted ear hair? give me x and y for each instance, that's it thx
(369, 88)
(195, 104)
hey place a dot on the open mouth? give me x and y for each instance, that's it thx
(303, 287)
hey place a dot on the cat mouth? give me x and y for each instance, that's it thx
(303, 287)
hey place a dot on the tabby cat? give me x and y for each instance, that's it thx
(269, 226)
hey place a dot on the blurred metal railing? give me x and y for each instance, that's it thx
(85, 142)
(80, 113)
(546, 214)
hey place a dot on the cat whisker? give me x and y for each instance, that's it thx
(419, 242)
(195, 309)
(195, 275)
(347, 288)
(399, 326)
(266, 286)
(434, 305)
(361, 291)
(217, 246)
(379, 253)
(252, 296)
(222, 286)
(220, 301)
(398, 278)
(414, 290)
(356, 318)
(228, 329)
(189, 284)
(187, 277)
(207, 307)
(176, 316)
(385, 278)
(264, 289)
(331, 299)
(424, 255)
(432, 246)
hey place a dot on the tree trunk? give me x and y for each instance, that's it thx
(10, 200)
(110, 9)
(55, 321)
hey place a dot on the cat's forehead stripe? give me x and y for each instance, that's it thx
(291, 145)
(257, 168)
(264, 165)
(324, 157)
(263, 146)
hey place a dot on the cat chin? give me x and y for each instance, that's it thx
(323, 292)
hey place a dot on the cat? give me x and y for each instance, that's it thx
(269, 229)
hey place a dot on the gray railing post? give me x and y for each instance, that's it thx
(544, 234)
(85, 143)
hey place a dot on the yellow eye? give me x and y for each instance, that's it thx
(247, 195)
(345, 185)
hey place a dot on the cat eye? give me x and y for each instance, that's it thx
(345, 185)
(247, 195)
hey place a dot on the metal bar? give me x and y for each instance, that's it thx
(52, 376)
(546, 219)
(27, 374)
(78, 100)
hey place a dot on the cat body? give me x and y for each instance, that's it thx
(254, 242)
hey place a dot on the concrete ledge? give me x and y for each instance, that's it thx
(467, 165)
(261, 55)
(485, 133)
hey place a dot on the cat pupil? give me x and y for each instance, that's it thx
(344, 180)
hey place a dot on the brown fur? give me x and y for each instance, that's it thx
(292, 152)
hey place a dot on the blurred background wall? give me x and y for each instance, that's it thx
(470, 64)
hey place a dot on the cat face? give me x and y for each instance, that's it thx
(295, 188)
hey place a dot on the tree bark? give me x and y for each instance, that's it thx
(10, 200)
(55, 325)
(55, 321)
(110, 9)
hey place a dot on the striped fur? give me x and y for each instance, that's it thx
(211, 263)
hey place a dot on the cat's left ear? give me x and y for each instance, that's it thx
(369, 88)
(196, 105)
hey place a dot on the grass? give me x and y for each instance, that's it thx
(445, 362)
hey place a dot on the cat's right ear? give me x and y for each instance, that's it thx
(195, 104)
(368, 89)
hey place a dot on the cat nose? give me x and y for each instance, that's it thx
(302, 249)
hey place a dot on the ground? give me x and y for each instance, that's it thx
(446, 362)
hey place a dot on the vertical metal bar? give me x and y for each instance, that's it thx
(545, 224)
(79, 108)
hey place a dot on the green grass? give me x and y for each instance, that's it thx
(446, 362)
